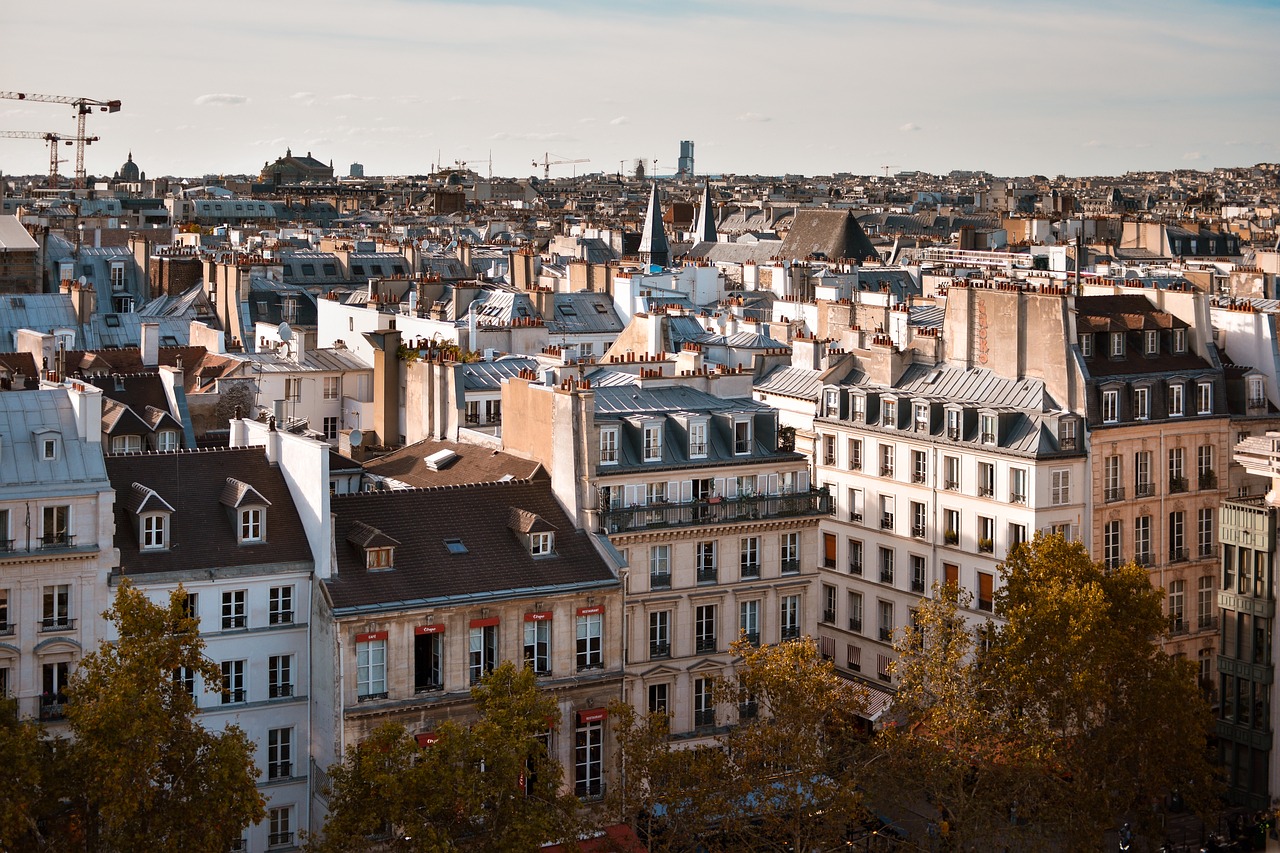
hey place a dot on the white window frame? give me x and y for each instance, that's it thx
(155, 531)
(233, 689)
(1060, 487)
(371, 669)
(1110, 406)
(166, 440)
(252, 526)
(280, 753)
(1204, 398)
(1117, 344)
(331, 387)
(537, 645)
(590, 636)
(652, 434)
(1176, 406)
(697, 439)
(542, 544)
(743, 436)
(1141, 403)
(608, 445)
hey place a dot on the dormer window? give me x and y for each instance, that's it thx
(251, 525)
(698, 440)
(1151, 339)
(1117, 344)
(250, 509)
(1176, 406)
(1086, 345)
(1204, 398)
(859, 408)
(538, 533)
(167, 439)
(653, 442)
(1179, 341)
(1067, 433)
(922, 417)
(742, 437)
(831, 406)
(378, 558)
(1110, 407)
(953, 424)
(153, 514)
(988, 428)
(155, 532)
(541, 544)
(126, 444)
(1141, 404)
(49, 449)
(890, 418)
(609, 446)
(378, 547)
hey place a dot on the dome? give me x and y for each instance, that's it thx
(129, 171)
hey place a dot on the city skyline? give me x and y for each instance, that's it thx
(813, 87)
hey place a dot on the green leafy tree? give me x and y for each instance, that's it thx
(146, 774)
(490, 786)
(25, 780)
(1059, 722)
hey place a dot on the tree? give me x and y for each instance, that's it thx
(1065, 719)
(24, 779)
(781, 777)
(147, 774)
(491, 786)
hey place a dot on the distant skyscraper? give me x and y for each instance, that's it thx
(684, 167)
(357, 170)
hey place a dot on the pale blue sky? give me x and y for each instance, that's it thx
(812, 86)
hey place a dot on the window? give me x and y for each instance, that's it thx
(1110, 407)
(293, 389)
(828, 450)
(279, 753)
(789, 617)
(917, 573)
(886, 512)
(886, 460)
(859, 404)
(1142, 540)
(951, 526)
(918, 519)
(658, 702)
(1177, 606)
(1112, 490)
(749, 621)
(951, 473)
(537, 642)
(251, 524)
(279, 676)
(919, 466)
(987, 429)
(1204, 467)
(1151, 342)
(697, 440)
(1018, 485)
(330, 428)
(828, 550)
(986, 534)
(986, 594)
(1179, 341)
(660, 567)
(886, 621)
(1111, 544)
(831, 403)
(828, 604)
(1177, 536)
(371, 666)
(922, 417)
(986, 480)
(428, 658)
(704, 628)
(1117, 344)
(233, 609)
(1204, 531)
(790, 552)
(1060, 487)
(1257, 393)
(482, 651)
(855, 611)
(56, 609)
(886, 565)
(855, 557)
(126, 444)
(1086, 346)
(1204, 398)
(1175, 400)
(1206, 603)
(653, 442)
(591, 638)
(330, 386)
(167, 439)
(1017, 534)
(953, 424)
(1141, 403)
(280, 826)
(6, 626)
(49, 449)
(280, 605)
(706, 561)
(855, 505)
(855, 454)
(154, 526)
(890, 418)
(473, 412)
(232, 681)
(1142, 474)
(660, 634)
(53, 700)
(704, 713)
(56, 529)
(541, 544)
(1177, 470)
(609, 446)
(749, 557)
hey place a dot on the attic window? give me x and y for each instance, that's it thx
(155, 529)
(600, 309)
(168, 341)
(357, 269)
(112, 320)
(541, 544)
(455, 546)
(568, 311)
(50, 449)
(379, 558)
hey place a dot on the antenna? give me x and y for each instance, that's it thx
(285, 333)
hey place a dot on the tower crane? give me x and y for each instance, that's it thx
(53, 139)
(82, 106)
(546, 163)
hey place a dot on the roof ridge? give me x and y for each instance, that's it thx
(442, 488)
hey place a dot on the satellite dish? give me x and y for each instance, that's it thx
(83, 281)
(357, 438)
(285, 333)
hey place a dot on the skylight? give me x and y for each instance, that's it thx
(455, 546)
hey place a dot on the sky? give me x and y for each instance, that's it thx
(1074, 87)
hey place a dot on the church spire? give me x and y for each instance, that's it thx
(653, 239)
(704, 227)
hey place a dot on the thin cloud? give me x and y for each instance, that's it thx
(307, 98)
(221, 99)
(760, 117)
(620, 120)
(529, 137)
(909, 127)
(1193, 155)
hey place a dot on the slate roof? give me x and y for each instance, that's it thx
(497, 560)
(474, 464)
(22, 415)
(202, 530)
(583, 312)
(832, 234)
(14, 238)
(797, 382)
(1132, 314)
(488, 375)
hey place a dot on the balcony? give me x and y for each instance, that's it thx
(8, 629)
(917, 584)
(704, 645)
(917, 530)
(1208, 480)
(429, 687)
(279, 691)
(986, 491)
(697, 449)
(855, 567)
(886, 634)
(1207, 551)
(717, 511)
(1144, 490)
(660, 580)
(1018, 498)
(231, 623)
(1257, 403)
(1113, 494)
(748, 710)
(886, 576)
(855, 624)
(886, 521)
(1207, 623)
(951, 485)
(789, 632)
(752, 637)
(1177, 485)
(1177, 555)
(951, 537)
(589, 792)
(280, 617)
(54, 541)
(53, 707)
(279, 839)
(707, 574)
(829, 616)
(886, 471)
(6, 546)
(659, 650)
(750, 571)
(1143, 560)
(985, 605)
(704, 717)
(57, 623)
(790, 567)
(1178, 626)
(986, 545)
(919, 477)
(279, 770)
(855, 516)
(1067, 442)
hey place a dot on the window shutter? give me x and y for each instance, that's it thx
(802, 481)
(686, 491)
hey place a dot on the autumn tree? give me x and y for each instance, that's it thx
(25, 779)
(1058, 721)
(146, 774)
(489, 786)
(780, 776)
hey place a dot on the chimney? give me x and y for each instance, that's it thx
(83, 298)
(386, 385)
(150, 344)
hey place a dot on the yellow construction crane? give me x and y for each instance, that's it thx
(547, 163)
(82, 106)
(52, 139)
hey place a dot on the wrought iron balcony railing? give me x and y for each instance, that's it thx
(717, 511)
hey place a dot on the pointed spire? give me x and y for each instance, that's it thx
(704, 227)
(653, 239)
